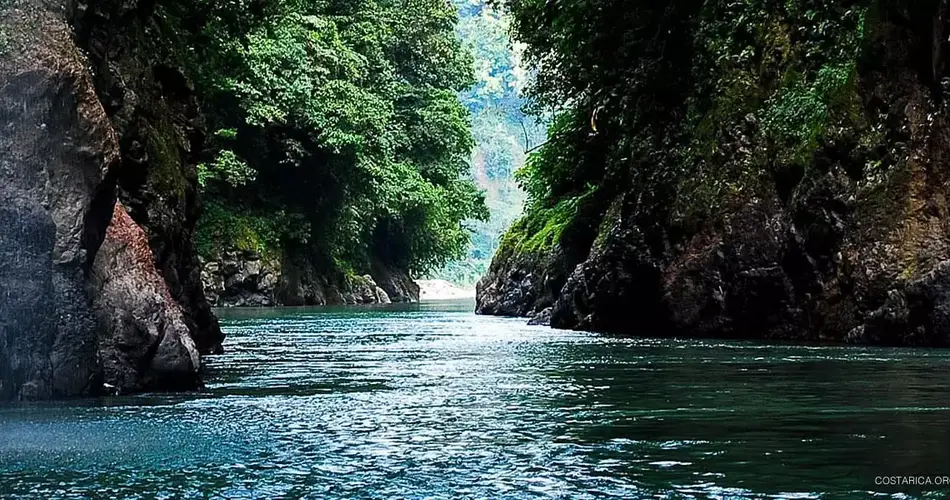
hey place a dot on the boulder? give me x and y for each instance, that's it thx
(145, 343)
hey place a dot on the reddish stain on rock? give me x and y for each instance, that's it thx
(144, 343)
(124, 231)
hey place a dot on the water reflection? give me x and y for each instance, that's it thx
(763, 419)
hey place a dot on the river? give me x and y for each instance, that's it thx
(432, 401)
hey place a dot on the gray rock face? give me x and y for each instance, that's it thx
(542, 318)
(27, 330)
(65, 325)
(521, 285)
(822, 271)
(58, 147)
(240, 278)
(364, 290)
(397, 284)
(145, 343)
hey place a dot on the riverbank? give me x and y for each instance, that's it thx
(443, 290)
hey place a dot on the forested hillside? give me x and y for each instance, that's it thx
(338, 146)
(503, 132)
(740, 168)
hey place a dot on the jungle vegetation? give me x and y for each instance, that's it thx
(337, 127)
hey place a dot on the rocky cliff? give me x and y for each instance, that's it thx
(85, 309)
(143, 341)
(244, 278)
(836, 233)
(139, 57)
(59, 148)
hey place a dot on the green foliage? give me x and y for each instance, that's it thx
(347, 113)
(227, 133)
(221, 228)
(501, 130)
(464, 272)
(227, 168)
(817, 91)
(550, 173)
(686, 104)
(162, 145)
(541, 229)
(798, 115)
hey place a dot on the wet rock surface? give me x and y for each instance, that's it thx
(26, 289)
(828, 270)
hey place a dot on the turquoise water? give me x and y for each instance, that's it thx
(434, 402)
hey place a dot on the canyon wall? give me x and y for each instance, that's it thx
(777, 190)
(89, 305)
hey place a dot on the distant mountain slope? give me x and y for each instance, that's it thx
(502, 131)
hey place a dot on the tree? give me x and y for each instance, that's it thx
(341, 117)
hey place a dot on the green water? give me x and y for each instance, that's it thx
(434, 402)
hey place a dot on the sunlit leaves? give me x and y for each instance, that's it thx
(348, 110)
(228, 168)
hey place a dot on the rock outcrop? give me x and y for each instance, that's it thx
(851, 248)
(144, 342)
(138, 56)
(79, 316)
(394, 282)
(521, 284)
(241, 278)
(56, 194)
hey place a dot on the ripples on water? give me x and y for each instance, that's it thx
(434, 402)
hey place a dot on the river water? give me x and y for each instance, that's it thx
(432, 401)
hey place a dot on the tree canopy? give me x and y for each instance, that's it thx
(665, 101)
(338, 126)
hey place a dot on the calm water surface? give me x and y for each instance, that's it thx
(434, 402)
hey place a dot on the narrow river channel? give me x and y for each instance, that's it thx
(432, 401)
